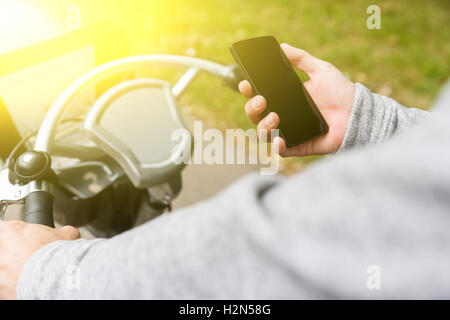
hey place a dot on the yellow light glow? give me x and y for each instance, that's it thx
(33, 71)
(23, 23)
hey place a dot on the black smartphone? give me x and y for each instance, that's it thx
(271, 75)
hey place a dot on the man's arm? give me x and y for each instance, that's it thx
(375, 118)
(222, 248)
(362, 224)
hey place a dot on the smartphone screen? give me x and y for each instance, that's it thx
(271, 75)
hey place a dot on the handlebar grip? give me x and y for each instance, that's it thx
(39, 208)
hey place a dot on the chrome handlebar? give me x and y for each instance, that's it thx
(50, 122)
(40, 209)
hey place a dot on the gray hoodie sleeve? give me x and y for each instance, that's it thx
(375, 118)
(361, 224)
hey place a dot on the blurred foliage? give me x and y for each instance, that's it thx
(407, 59)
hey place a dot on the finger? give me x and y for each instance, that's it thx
(267, 124)
(308, 86)
(278, 145)
(246, 89)
(255, 107)
(302, 59)
(68, 233)
(281, 148)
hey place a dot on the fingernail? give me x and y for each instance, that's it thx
(270, 119)
(276, 146)
(256, 103)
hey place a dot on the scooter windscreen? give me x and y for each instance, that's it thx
(137, 123)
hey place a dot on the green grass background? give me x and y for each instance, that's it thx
(407, 59)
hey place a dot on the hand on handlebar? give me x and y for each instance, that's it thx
(331, 91)
(18, 241)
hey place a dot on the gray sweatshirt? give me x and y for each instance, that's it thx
(372, 221)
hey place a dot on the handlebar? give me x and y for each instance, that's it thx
(39, 202)
(50, 122)
(39, 208)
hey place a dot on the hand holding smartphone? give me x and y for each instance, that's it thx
(271, 75)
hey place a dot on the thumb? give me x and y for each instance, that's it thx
(68, 233)
(302, 59)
